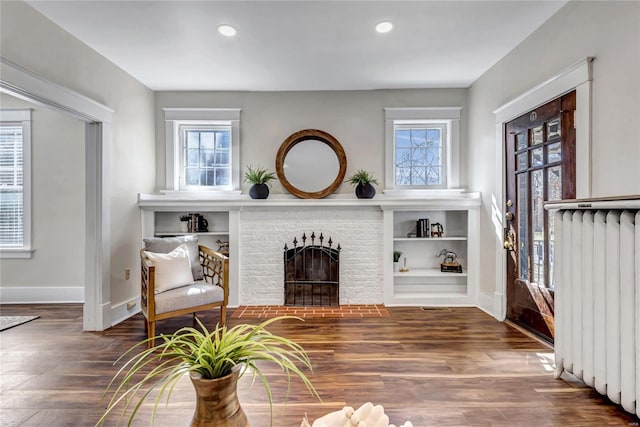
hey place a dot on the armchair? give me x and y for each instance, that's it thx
(210, 292)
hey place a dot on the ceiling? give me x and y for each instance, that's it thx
(301, 45)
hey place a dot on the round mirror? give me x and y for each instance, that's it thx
(311, 164)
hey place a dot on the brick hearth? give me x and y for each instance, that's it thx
(344, 311)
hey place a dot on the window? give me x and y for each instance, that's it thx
(422, 148)
(203, 146)
(419, 155)
(206, 157)
(15, 183)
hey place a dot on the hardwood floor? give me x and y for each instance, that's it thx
(447, 367)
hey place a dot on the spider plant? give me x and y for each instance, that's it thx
(209, 354)
(258, 175)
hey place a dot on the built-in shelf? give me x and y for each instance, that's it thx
(199, 233)
(424, 284)
(419, 239)
(428, 272)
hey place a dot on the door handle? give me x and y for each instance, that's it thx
(509, 244)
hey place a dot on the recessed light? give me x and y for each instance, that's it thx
(227, 30)
(384, 27)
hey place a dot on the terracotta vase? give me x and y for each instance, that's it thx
(217, 403)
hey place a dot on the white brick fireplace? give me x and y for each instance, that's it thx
(264, 232)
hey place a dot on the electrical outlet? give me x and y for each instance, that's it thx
(131, 305)
(127, 273)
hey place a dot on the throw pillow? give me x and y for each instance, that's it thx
(172, 270)
(164, 245)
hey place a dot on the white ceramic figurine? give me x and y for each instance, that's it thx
(367, 415)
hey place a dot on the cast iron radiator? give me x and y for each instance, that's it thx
(597, 276)
(311, 272)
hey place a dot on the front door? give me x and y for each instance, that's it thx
(540, 166)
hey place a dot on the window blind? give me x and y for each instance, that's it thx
(11, 185)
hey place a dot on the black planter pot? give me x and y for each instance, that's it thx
(259, 191)
(365, 191)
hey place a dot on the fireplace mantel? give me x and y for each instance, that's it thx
(433, 199)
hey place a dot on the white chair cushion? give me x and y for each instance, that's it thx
(172, 270)
(198, 293)
(164, 245)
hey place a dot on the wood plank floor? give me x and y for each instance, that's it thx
(456, 367)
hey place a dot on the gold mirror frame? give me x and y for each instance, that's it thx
(306, 135)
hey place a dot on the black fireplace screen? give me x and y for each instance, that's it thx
(311, 272)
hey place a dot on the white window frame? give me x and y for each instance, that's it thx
(445, 116)
(177, 117)
(22, 116)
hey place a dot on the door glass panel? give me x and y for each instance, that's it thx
(554, 183)
(536, 136)
(537, 226)
(522, 161)
(523, 226)
(536, 156)
(553, 129)
(554, 153)
(521, 141)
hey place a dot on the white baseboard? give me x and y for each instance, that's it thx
(40, 295)
(124, 310)
(486, 304)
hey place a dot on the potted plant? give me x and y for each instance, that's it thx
(363, 181)
(396, 260)
(260, 178)
(214, 361)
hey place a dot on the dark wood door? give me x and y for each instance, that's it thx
(540, 166)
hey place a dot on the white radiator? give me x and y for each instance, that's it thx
(597, 295)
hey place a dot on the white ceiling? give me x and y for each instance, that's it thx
(301, 45)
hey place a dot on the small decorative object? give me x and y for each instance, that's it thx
(214, 360)
(184, 223)
(422, 227)
(396, 260)
(363, 181)
(404, 269)
(260, 178)
(450, 263)
(437, 230)
(366, 415)
(223, 247)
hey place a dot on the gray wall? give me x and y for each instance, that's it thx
(58, 188)
(355, 118)
(610, 31)
(35, 43)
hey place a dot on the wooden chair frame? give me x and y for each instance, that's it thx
(215, 268)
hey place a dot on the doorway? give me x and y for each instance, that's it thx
(540, 148)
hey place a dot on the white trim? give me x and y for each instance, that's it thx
(41, 294)
(22, 115)
(121, 312)
(18, 253)
(444, 115)
(421, 113)
(19, 82)
(175, 117)
(577, 77)
(485, 303)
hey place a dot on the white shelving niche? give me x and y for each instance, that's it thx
(424, 283)
(168, 224)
